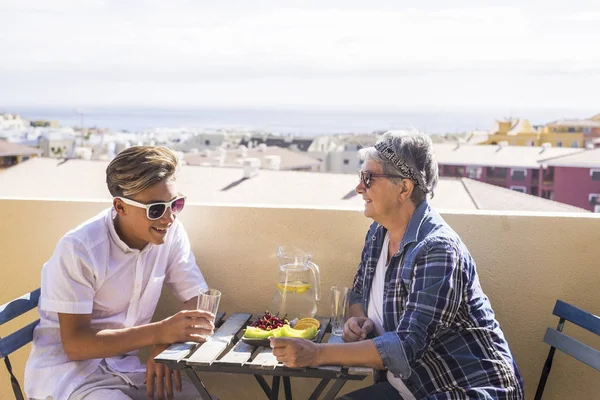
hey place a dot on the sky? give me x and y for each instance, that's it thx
(369, 55)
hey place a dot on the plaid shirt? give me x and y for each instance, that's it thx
(441, 336)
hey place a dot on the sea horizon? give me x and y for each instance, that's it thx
(302, 122)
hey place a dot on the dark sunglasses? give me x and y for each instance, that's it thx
(156, 211)
(366, 177)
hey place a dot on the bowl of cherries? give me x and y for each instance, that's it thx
(258, 333)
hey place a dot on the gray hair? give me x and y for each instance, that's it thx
(410, 149)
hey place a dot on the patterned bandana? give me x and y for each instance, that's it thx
(388, 152)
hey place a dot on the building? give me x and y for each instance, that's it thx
(571, 130)
(511, 167)
(287, 142)
(13, 153)
(202, 141)
(13, 122)
(573, 179)
(275, 158)
(57, 144)
(339, 153)
(520, 132)
(50, 178)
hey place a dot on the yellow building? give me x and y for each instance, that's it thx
(520, 132)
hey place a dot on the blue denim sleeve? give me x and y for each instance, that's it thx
(356, 295)
(432, 304)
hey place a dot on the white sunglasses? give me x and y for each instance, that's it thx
(156, 211)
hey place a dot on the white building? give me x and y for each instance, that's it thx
(13, 122)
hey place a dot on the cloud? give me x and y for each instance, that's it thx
(108, 45)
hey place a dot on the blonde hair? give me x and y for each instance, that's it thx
(137, 168)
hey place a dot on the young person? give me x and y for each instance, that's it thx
(101, 286)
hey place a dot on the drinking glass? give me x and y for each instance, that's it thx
(340, 297)
(208, 300)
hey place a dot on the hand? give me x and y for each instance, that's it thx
(295, 353)
(357, 329)
(159, 377)
(186, 326)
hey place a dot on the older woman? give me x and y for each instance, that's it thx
(417, 307)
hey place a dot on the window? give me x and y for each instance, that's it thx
(548, 194)
(559, 144)
(518, 174)
(207, 142)
(535, 175)
(575, 144)
(587, 129)
(346, 161)
(595, 174)
(594, 199)
(496, 173)
(521, 189)
(10, 160)
(474, 172)
(534, 191)
(459, 172)
(548, 176)
(571, 129)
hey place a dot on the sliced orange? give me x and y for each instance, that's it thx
(307, 323)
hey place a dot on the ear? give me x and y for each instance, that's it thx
(119, 206)
(406, 189)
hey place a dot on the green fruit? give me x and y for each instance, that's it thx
(257, 333)
(308, 333)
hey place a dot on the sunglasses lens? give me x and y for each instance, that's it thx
(365, 178)
(156, 211)
(177, 205)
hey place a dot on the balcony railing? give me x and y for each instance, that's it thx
(521, 257)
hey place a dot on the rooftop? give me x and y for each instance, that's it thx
(583, 159)
(497, 155)
(15, 149)
(51, 178)
(576, 122)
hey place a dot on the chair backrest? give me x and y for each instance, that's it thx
(11, 310)
(557, 339)
(21, 337)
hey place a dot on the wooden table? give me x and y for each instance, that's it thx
(226, 353)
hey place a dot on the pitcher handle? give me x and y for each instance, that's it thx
(317, 279)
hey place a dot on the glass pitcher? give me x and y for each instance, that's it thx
(299, 285)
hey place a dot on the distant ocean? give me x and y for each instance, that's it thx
(279, 121)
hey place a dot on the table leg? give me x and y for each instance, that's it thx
(337, 386)
(204, 395)
(287, 386)
(263, 384)
(319, 389)
(275, 387)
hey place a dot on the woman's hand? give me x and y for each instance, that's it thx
(357, 328)
(295, 353)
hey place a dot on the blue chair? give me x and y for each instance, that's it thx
(558, 340)
(21, 337)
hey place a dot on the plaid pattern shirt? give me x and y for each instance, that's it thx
(441, 336)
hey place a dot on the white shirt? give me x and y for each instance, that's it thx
(92, 271)
(375, 311)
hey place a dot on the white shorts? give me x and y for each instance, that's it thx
(107, 384)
